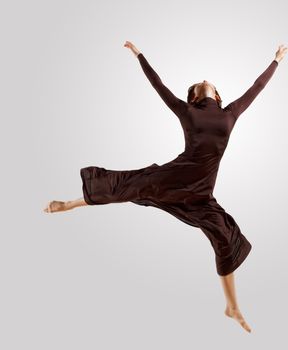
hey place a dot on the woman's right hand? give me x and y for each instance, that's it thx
(130, 46)
(280, 53)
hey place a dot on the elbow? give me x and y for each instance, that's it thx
(259, 85)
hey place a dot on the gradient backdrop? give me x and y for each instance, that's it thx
(122, 276)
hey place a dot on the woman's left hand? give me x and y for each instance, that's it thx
(129, 45)
(280, 53)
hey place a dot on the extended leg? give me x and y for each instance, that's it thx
(55, 206)
(232, 308)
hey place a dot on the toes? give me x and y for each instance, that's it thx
(245, 325)
(247, 328)
(48, 209)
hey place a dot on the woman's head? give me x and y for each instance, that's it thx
(198, 91)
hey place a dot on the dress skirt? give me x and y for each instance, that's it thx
(155, 186)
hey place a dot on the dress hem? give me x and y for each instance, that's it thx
(246, 250)
(84, 188)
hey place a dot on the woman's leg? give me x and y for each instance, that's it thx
(232, 308)
(63, 206)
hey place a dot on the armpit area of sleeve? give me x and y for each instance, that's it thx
(230, 111)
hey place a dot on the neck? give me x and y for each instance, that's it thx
(206, 94)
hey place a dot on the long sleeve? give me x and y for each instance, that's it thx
(173, 102)
(242, 103)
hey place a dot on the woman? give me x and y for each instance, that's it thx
(184, 186)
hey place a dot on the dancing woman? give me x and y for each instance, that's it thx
(184, 186)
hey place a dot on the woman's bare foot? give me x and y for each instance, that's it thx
(57, 206)
(236, 314)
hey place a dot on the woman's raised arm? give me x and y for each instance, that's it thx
(173, 102)
(238, 106)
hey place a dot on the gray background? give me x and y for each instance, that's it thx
(122, 276)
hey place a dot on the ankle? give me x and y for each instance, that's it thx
(69, 205)
(232, 307)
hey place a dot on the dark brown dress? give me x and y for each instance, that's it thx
(184, 186)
